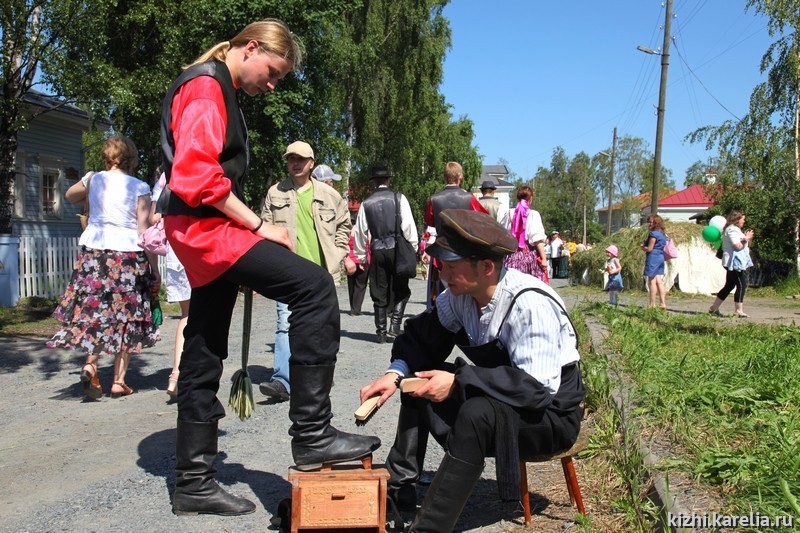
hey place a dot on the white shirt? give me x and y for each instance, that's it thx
(361, 230)
(171, 259)
(555, 248)
(537, 334)
(113, 204)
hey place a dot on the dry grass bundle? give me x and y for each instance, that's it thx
(628, 241)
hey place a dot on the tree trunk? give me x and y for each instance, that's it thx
(8, 172)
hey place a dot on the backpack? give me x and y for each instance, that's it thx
(670, 250)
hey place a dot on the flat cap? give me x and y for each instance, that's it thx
(380, 172)
(467, 234)
(301, 148)
(488, 185)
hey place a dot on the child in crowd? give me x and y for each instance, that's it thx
(424, 260)
(614, 269)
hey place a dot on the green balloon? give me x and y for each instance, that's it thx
(717, 244)
(711, 234)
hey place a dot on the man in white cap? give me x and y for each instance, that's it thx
(325, 174)
(556, 245)
(319, 226)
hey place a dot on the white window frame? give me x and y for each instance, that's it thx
(52, 167)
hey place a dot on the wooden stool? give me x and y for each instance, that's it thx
(339, 497)
(569, 474)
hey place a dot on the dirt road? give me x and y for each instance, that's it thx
(67, 464)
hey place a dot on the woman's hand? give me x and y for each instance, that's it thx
(275, 234)
(439, 387)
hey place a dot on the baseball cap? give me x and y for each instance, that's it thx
(325, 173)
(301, 148)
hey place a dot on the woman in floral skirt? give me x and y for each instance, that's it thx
(106, 308)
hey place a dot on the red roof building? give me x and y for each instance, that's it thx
(685, 204)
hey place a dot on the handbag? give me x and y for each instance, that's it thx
(405, 258)
(84, 217)
(670, 250)
(154, 239)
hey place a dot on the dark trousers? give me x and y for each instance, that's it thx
(276, 273)
(385, 287)
(734, 279)
(357, 288)
(468, 431)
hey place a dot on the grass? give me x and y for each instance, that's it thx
(726, 396)
(32, 317)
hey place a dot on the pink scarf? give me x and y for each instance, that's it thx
(518, 223)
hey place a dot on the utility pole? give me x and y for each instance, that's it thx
(662, 100)
(611, 184)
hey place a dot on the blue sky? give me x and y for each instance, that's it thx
(535, 74)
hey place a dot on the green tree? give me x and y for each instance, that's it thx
(31, 38)
(761, 151)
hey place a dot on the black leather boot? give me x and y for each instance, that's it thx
(398, 311)
(446, 496)
(314, 441)
(380, 323)
(406, 458)
(196, 492)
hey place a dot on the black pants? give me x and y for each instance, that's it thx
(386, 287)
(274, 272)
(734, 279)
(468, 430)
(357, 288)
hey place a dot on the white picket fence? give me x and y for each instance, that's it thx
(46, 264)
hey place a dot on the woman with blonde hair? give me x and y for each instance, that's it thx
(106, 308)
(653, 246)
(224, 245)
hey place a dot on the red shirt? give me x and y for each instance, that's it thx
(206, 247)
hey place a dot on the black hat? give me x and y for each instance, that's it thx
(467, 234)
(381, 172)
(488, 185)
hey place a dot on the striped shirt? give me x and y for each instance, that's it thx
(537, 334)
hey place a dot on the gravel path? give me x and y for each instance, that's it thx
(67, 464)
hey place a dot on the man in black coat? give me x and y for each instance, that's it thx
(521, 394)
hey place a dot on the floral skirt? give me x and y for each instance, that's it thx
(527, 261)
(106, 308)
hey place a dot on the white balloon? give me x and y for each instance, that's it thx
(718, 222)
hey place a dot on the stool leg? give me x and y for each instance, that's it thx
(572, 484)
(564, 462)
(523, 492)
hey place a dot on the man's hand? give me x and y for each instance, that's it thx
(383, 386)
(439, 387)
(276, 234)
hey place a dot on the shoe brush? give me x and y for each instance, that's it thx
(364, 413)
(368, 409)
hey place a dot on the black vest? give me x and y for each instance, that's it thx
(235, 152)
(449, 198)
(380, 210)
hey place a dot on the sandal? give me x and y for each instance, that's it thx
(715, 312)
(126, 390)
(742, 315)
(90, 382)
(172, 385)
